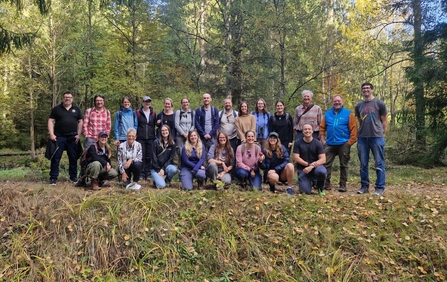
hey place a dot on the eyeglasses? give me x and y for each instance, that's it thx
(228, 118)
(249, 153)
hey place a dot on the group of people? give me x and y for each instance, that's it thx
(252, 146)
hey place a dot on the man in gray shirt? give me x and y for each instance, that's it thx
(207, 121)
(372, 116)
(226, 123)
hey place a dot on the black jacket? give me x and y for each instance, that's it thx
(162, 156)
(146, 129)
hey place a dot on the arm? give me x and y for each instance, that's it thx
(170, 158)
(239, 159)
(285, 161)
(51, 122)
(323, 130)
(384, 119)
(154, 148)
(177, 115)
(116, 127)
(135, 120)
(291, 133)
(216, 122)
(210, 156)
(108, 122)
(199, 128)
(253, 125)
(240, 133)
(352, 129)
(120, 157)
(86, 121)
(202, 159)
(95, 157)
(79, 131)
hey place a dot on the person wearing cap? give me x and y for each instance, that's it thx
(65, 127)
(147, 119)
(207, 121)
(130, 159)
(277, 163)
(96, 120)
(99, 167)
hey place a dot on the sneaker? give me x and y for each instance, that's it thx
(342, 189)
(379, 191)
(321, 191)
(74, 179)
(272, 188)
(133, 186)
(53, 181)
(290, 191)
(363, 190)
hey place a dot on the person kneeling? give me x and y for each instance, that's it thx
(220, 160)
(99, 167)
(130, 160)
(163, 152)
(277, 163)
(247, 157)
(193, 158)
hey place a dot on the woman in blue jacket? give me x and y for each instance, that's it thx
(277, 163)
(262, 116)
(125, 118)
(193, 159)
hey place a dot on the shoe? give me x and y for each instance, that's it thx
(53, 181)
(149, 177)
(168, 184)
(379, 191)
(81, 183)
(199, 183)
(327, 185)
(363, 190)
(95, 185)
(74, 179)
(321, 191)
(133, 186)
(103, 184)
(290, 191)
(342, 189)
(244, 185)
(272, 188)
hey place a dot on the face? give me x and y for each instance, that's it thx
(307, 130)
(250, 138)
(307, 98)
(193, 138)
(147, 103)
(260, 105)
(168, 105)
(164, 132)
(367, 91)
(273, 140)
(206, 98)
(280, 107)
(99, 102)
(228, 104)
(185, 104)
(337, 102)
(68, 99)
(131, 138)
(244, 108)
(126, 104)
(222, 139)
(103, 139)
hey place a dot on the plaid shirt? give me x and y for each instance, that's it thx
(96, 122)
(312, 117)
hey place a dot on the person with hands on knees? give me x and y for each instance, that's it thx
(220, 160)
(193, 159)
(247, 156)
(130, 160)
(99, 166)
(163, 152)
(277, 163)
(309, 155)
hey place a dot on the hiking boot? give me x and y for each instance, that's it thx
(327, 186)
(95, 185)
(81, 183)
(379, 191)
(363, 190)
(342, 189)
(168, 184)
(272, 188)
(321, 191)
(102, 183)
(74, 179)
(290, 191)
(53, 181)
(199, 184)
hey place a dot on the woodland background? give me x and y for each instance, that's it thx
(248, 49)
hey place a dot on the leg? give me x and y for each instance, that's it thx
(107, 175)
(378, 150)
(344, 154)
(287, 174)
(304, 182)
(363, 152)
(72, 153)
(272, 177)
(55, 161)
(320, 174)
(94, 169)
(186, 178)
(171, 170)
(331, 152)
(135, 170)
(158, 180)
(212, 171)
(256, 181)
(226, 178)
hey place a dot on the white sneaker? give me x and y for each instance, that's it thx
(137, 186)
(133, 186)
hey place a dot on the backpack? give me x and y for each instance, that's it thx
(243, 148)
(189, 112)
(287, 118)
(222, 112)
(84, 160)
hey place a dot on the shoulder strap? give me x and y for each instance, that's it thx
(308, 108)
(221, 114)
(243, 148)
(234, 113)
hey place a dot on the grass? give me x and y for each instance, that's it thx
(64, 233)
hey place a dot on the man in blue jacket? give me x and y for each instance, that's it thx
(341, 127)
(207, 121)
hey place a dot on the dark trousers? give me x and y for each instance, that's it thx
(146, 146)
(344, 154)
(134, 170)
(68, 144)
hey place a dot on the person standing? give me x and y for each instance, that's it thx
(207, 121)
(184, 123)
(341, 127)
(125, 119)
(372, 116)
(96, 120)
(262, 116)
(244, 122)
(227, 124)
(282, 123)
(308, 153)
(147, 119)
(65, 127)
(166, 116)
(307, 113)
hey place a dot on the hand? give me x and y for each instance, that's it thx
(224, 167)
(108, 167)
(308, 169)
(127, 164)
(124, 176)
(207, 136)
(261, 158)
(117, 143)
(290, 145)
(185, 135)
(159, 121)
(219, 176)
(161, 172)
(252, 173)
(53, 137)
(77, 138)
(202, 167)
(323, 141)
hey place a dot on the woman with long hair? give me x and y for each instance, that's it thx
(244, 122)
(130, 160)
(247, 157)
(193, 159)
(99, 167)
(166, 116)
(282, 123)
(220, 160)
(277, 163)
(262, 116)
(163, 152)
(125, 118)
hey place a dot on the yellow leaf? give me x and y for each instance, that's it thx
(422, 270)
(126, 237)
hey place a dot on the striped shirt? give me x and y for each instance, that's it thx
(312, 117)
(96, 122)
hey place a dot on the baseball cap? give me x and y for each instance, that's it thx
(103, 133)
(274, 134)
(147, 98)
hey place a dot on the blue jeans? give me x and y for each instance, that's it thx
(160, 181)
(255, 181)
(377, 146)
(186, 177)
(65, 143)
(305, 180)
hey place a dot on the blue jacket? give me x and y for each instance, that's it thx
(124, 119)
(274, 162)
(200, 121)
(193, 162)
(262, 124)
(337, 126)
